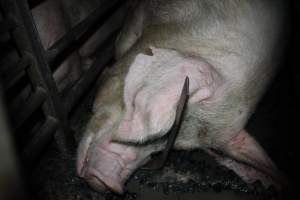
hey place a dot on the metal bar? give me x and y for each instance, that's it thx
(89, 77)
(36, 146)
(28, 43)
(79, 34)
(26, 109)
(40, 68)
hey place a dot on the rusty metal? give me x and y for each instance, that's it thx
(158, 160)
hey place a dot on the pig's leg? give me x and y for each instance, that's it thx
(249, 160)
(247, 173)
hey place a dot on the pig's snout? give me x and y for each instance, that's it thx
(107, 165)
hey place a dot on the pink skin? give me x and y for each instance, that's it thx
(108, 164)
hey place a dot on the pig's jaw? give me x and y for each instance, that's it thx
(109, 164)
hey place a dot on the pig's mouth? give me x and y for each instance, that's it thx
(110, 166)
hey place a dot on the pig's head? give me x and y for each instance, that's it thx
(151, 94)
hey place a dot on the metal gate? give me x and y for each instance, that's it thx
(37, 63)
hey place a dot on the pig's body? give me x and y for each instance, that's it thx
(53, 19)
(228, 49)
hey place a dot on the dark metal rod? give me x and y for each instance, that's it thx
(25, 110)
(35, 147)
(75, 35)
(41, 74)
(28, 43)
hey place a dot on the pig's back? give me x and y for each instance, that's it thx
(232, 35)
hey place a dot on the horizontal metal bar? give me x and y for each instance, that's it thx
(72, 98)
(79, 34)
(35, 147)
(25, 110)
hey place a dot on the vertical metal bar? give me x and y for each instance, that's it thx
(54, 106)
(29, 45)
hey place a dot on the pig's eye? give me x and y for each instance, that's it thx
(148, 141)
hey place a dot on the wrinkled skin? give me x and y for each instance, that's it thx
(228, 49)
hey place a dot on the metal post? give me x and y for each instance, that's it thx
(30, 47)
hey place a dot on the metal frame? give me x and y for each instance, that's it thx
(38, 62)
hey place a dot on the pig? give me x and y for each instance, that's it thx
(53, 20)
(228, 49)
(50, 23)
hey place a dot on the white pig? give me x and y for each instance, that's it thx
(229, 49)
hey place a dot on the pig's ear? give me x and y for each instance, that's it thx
(152, 90)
